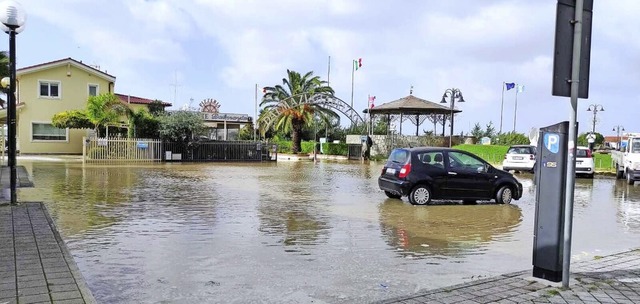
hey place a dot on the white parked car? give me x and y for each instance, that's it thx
(520, 158)
(584, 162)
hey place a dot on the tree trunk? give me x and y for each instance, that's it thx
(296, 138)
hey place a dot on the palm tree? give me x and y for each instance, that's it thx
(104, 109)
(289, 108)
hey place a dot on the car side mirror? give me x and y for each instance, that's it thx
(482, 169)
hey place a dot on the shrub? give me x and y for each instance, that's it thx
(335, 149)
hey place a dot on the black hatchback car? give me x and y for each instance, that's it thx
(429, 173)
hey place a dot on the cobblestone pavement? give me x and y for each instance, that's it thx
(609, 279)
(35, 264)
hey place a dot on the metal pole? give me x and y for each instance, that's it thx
(501, 107)
(353, 70)
(453, 101)
(515, 111)
(329, 71)
(571, 164)
(255, 119)
(11, 116)
(593, 128)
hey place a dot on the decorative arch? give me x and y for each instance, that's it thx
(325, 100)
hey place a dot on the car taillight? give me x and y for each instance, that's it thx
(405, 171)
(588, 153)
(383, 169)
(505, 156)
(532, 157)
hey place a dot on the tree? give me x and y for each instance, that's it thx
(181, 126)
(156, 108)
(286, 108)
(142, 124)
(582, 139)
(490, 131)
(512, 138)
(74, 119)
(477, 131)
(246, 132)
(103, 110)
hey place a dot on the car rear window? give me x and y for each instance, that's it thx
(582, 153)
(399, 156)
(520, 150)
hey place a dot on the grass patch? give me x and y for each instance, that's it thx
(602, 161)
(493, 154)
(553, 292)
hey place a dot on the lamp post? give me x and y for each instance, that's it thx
(619, 129)
(595, 108)
(453, 94)
(12, 23)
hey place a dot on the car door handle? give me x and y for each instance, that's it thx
(452, 173)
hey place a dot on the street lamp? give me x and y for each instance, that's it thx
(453, 94)
(12, 23)
(595, 108)
(619, 129)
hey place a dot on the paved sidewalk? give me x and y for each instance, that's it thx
(610, 279)
(21, 172)
(35, 264)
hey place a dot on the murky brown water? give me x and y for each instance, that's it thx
(295, 232)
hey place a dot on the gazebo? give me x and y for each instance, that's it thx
(417, 110)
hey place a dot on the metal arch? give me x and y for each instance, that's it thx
(325, 100)
(337, 104)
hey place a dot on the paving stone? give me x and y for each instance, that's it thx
(71, 301)
(62, 281)
(65, 295)
(63, 287)
(34, 299)
(33, 291)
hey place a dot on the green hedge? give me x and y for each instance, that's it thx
(335, 149)
(491, 153)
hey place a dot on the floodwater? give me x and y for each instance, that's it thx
(296, 232)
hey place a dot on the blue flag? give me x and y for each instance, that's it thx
(510, 85)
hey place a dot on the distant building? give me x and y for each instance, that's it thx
(222, 126)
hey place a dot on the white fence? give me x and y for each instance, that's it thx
(121, 150)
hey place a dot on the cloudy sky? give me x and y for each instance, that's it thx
(221, 49)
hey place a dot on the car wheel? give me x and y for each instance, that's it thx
(618, 172)
(629, 179)
(504, 195)
(391, 195)
(420, 195)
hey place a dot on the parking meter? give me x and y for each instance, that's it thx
(551, 179)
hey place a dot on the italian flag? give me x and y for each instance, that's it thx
(357, 64)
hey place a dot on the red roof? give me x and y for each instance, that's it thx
(614, 138)
(62, 61)
(138, 100)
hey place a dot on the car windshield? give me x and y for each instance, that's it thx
(519, 150)
(582, 153)
(399, 156)
(635, 145)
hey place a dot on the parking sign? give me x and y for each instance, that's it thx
(552, 142)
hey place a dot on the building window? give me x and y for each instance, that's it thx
(49, 89)
(45, 131)
(93, 90)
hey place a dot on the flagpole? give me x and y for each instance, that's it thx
(369, 109)
(255, 119)
(501, 107)
(329, 71)
(353, 70)
(515, 110)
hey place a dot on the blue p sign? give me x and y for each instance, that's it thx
(552, 142)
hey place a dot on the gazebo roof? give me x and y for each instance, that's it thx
(411, 105)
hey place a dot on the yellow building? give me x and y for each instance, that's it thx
(53, 87)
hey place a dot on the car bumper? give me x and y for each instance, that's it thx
(394, 186)
(585, 170)
(526, 166)
(634, 174)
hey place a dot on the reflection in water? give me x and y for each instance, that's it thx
(446, 229)
(628, 201)
(293, 208)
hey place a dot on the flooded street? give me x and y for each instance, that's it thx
(296, 232)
